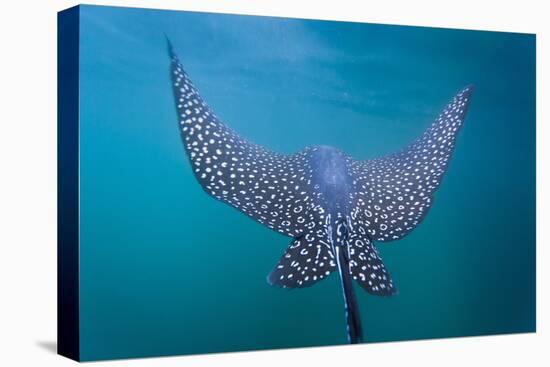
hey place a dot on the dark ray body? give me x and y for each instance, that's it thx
(332, 206)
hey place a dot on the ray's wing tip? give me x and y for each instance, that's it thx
(467, 90)
(170, 47)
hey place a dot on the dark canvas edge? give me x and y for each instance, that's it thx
(68, 315)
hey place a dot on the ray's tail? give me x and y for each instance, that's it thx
(353, 320)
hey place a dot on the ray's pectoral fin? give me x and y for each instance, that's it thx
(307, 260)
(268, 187)
(394, 193)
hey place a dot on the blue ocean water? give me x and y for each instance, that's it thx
(165, 269)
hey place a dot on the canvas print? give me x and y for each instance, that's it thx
(233, 183)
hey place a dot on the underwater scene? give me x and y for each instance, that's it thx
(394, 166)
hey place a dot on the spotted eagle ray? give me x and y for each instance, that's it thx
(332, 206)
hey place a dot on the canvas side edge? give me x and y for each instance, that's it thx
(68, 287)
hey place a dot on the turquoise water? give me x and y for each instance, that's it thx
(165, 269)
